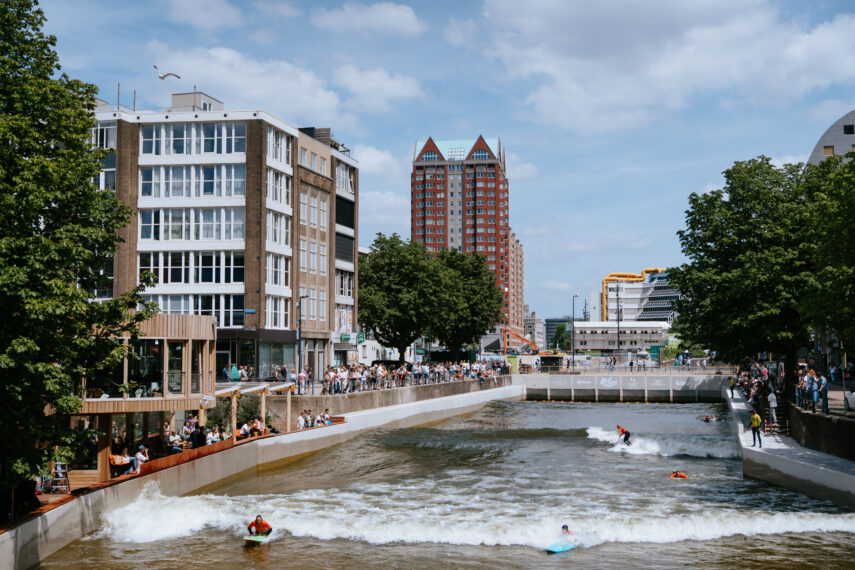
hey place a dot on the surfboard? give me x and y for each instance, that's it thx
(560, 547)
(256, 539)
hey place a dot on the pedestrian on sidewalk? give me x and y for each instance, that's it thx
(773, 404)
(756, 422)
(732, 384)
(823, 392)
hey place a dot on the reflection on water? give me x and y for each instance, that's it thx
(493, 489)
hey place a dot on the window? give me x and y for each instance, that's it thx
(849, 129)
(302, 303)
(303, 208)
(150, 182)
(344, 248)
(177, 181)
(344, 212)
(149, 262)
(235, 180)
(176, 267)
(322, 305)
(210, 137)
(276, 313)
(313, 161)
(235, 137)
(302, 255)
(177, 138)
(104, 135)
(313, 257)
(322, 221)
(207, 268)
(207, 223)
(313, 304)
(344, 178)
(828, 151)
(278, 187)
(278, 228)
(278, 145)
(304, 161)
(322, 166)
(313, 212)
(322, 261)
(278, 270)
(344, 283)
(206, 180)
(150, 224)
(234, 223)
(234, 267)
(150, 139)
(430, 155)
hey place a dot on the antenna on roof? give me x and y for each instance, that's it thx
(118, 95)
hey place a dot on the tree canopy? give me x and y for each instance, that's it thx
(406, 293)
(58, 233)
(771, 256)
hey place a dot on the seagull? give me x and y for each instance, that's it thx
(165, 75)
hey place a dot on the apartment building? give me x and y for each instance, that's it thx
(213, 191)
(535, 329)
(460, 200)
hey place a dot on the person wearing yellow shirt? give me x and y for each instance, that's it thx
(756, 422)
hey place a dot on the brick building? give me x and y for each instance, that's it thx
(214, 194)
(460, 200)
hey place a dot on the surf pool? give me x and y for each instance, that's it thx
(492, 489)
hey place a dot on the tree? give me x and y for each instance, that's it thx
(560, 338)
(58, 233)
(471, 304)
(399, 291)
(830, 297)
(742, 287)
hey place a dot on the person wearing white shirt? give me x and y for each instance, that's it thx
(773, 404)
(301, 423)
(141, 456)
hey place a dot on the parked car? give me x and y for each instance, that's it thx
(849, 401)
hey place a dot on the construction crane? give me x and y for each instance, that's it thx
(506, 333)
(626, 278)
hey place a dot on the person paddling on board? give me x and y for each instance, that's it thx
(624, 434)
(566, 530)
(708, 419)
(259, 526)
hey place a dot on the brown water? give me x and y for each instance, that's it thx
(492, 490)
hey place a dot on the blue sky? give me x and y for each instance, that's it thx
(612, 113)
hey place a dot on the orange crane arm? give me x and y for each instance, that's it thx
(626, 278)
(507, 333)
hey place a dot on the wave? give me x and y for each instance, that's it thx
(360, 515)
(669, 445)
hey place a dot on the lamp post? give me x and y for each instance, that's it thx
(300, 334)
(617, 311)
(573, 335)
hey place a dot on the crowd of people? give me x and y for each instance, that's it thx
(361, 378)
(306, 420)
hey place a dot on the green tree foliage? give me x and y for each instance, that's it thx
(398, 291)
(57, 235)
(746, 275)
(560, 337)
(472, 304)
(830, 297)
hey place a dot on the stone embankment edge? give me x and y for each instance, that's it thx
(27, 544)
(798, 474)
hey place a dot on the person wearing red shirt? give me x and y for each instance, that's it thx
(259, 526)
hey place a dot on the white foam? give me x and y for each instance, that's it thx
(668, 445)
(384, 513)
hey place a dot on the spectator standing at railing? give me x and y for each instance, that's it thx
(235, 373)
(823, 393)
(226, 376)
(772, 400)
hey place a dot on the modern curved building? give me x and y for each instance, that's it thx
(838, 139)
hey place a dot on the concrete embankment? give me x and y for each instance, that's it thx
(26, 544)
(783, 462)
(606, 387)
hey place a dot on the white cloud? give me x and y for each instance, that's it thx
(382, 17)
(373, 160)
(830, 110)
(205, 14)
(780, 161)
(292, 93)
(519, 169)
(657, 57)
(557, 286)
(383, 211)
(374, 90)
(710, 187)
(276, 9)
(461, 33)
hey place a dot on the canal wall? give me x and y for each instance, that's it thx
(646, 387)
(28, 543)
(785, 463)
(831, 434)
(339, 404)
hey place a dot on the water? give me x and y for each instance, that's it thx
(492, 489)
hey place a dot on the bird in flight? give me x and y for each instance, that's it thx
(165, 75)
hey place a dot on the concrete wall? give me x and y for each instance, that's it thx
(622, 388)
(829, 434)
(346, 403)
(28, 543)
(790, 466)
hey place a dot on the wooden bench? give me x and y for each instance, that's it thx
(82, 477)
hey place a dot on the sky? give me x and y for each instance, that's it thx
(612, 113)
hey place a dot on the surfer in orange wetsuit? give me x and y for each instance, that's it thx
(259, 526)
(679, 475)
(622, 433)
(566, 530)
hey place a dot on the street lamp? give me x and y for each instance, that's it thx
(300, 334)
(617, 290)
(573, 335)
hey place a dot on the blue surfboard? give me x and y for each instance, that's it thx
(560, 547)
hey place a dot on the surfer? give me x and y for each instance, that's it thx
(708, 419)
(622, 433)
(566, 530)
(259, 526)
(679, 475)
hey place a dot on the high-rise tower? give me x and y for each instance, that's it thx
(460, 200)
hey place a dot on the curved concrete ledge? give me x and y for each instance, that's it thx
(622, 387)
(783, 462)
(30, 542)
